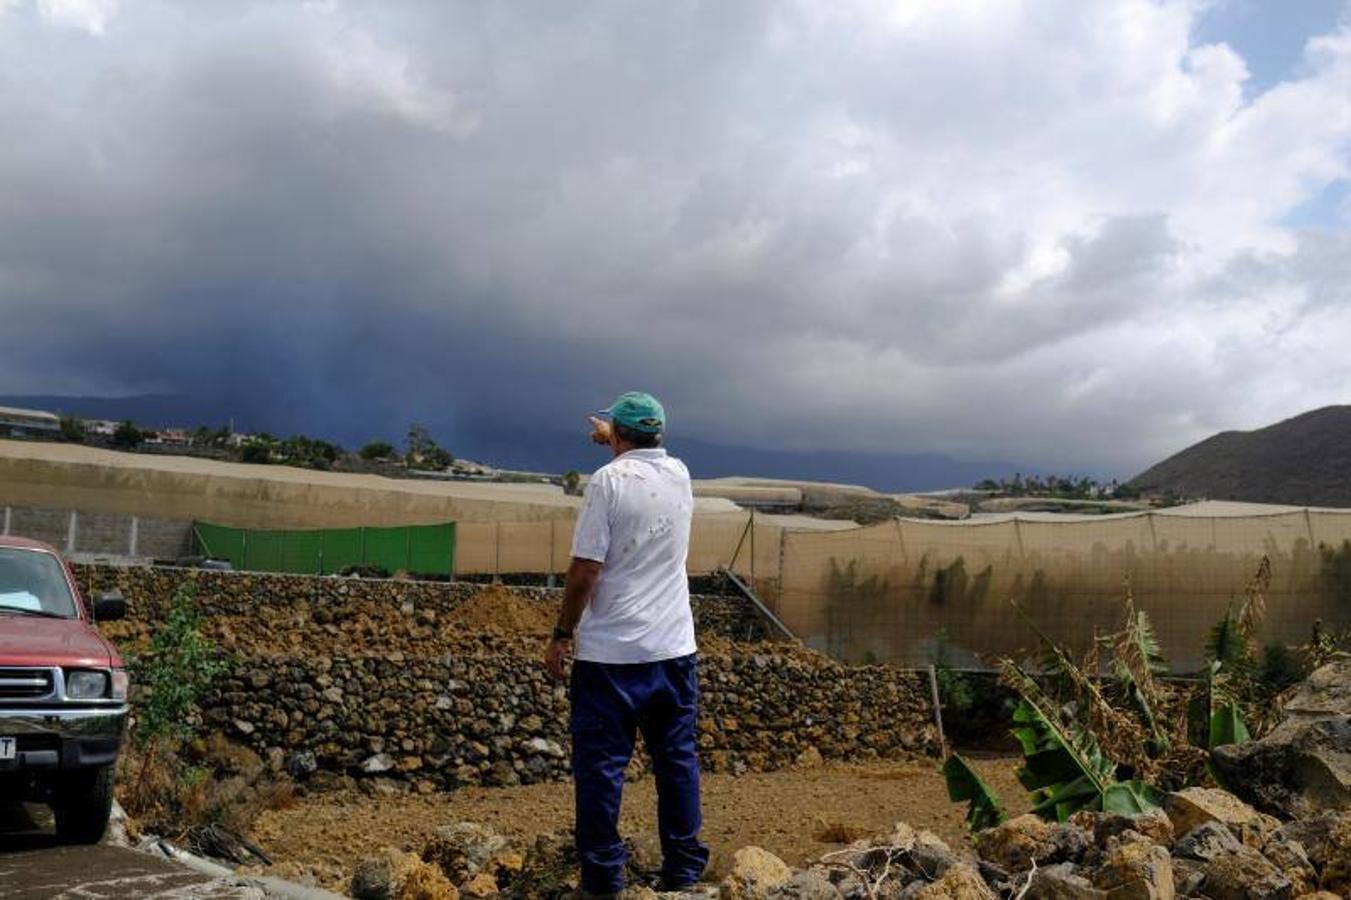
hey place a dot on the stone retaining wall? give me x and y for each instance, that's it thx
(375, 678)
(497, 719)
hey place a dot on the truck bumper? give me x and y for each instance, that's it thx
(62, 738)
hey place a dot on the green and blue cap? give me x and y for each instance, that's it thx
(638, 411)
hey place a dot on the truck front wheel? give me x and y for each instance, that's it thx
(82, 804)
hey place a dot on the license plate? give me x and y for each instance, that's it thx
(8, 746)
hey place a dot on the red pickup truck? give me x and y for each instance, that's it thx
(63, 691)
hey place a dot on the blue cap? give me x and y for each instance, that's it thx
(638, 411)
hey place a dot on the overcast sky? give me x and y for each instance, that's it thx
(1079, 235)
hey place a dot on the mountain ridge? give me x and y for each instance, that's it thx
(1304, 460)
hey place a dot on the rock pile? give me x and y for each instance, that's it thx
(1303, 767)
(1205, 844)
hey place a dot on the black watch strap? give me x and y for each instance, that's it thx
(561, 635)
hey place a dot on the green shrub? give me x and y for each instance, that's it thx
(175, 672)
(1280, 668)
(955, 690)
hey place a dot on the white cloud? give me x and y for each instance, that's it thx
(380, 78)
(92, 16)
(1051, 231)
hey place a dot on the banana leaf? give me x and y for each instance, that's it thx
(1227, 727)
(1213, 712)
(985, 810)
(1202, 706)
(1224, 643)
(1063, 766)
(1138, 659)
(1131, 798)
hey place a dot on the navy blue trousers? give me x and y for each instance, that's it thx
(610, 703)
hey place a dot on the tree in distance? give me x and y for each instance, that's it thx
(378, 450)
(423, 451)
(72, 430)
(127, 436)
(572, 483)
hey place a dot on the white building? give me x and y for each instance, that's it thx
(28, 422)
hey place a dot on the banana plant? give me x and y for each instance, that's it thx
(1213, 712)
(985, 810)
(1063, 765)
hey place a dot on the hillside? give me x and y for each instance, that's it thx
(554, 445)
(1303, 461)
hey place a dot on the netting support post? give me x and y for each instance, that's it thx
(752, 527)
(553, 539)
(938, 709)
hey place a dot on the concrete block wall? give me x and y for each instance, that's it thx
(80, 532)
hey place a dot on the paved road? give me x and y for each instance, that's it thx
(33, 866)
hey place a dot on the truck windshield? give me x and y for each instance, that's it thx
(32, 581)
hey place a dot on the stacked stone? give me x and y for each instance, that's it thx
(496, 718)
(763, 707)
(361, 678)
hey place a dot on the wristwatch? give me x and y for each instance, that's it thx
(561, 635)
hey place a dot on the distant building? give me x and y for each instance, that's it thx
(169, 437)
(100, 427)
(28, 422)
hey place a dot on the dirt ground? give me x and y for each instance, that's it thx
(796, 814)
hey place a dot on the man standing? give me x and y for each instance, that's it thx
(628, 600)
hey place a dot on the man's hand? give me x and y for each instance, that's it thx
(556, 658)
(582, 577)
(600, 430)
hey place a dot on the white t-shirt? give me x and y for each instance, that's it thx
(635, 521)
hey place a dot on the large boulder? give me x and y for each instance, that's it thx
(1336, 862)
(394, 875)
(1062, 881)
(1135, 869)
(550, 868)
(961, 882)
(1205, 842)
(1196, 806)
(1104, 826)
(1245, 874)
(754, 874)
(1017, 843)
(809, 884)
(1303, 766)
(462, 850)
(1318, 835)
(1292, 861)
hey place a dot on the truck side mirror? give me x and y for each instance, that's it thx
(109, 606)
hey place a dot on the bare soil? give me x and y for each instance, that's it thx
(797, 814)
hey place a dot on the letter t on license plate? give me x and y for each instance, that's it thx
(7, 747)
